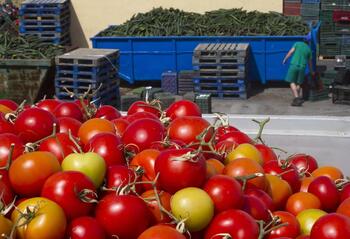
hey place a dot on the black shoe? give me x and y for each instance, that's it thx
(301, 100)
(296, 102)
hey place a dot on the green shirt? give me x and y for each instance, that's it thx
(302, 54)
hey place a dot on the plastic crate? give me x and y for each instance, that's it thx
(169, 82)
(310, 9)
(292, 9)
(341, 95)
(310, 1)
(204, 102)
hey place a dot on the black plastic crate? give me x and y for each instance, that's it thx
(341, 94)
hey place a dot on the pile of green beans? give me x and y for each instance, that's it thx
(223, 22)
(13, 46)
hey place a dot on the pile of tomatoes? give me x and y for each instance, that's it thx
(74, 170)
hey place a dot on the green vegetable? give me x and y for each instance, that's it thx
(222, 22)
(13, 46)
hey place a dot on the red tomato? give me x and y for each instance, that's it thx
(120, 126)
(107, 112)
(266, 152)
(6, 140)
(262, 195)
(67, 190)
(158, 215)
(304, 162)
(187, 128)
(141, 133)
(9, 103)
(326, 190)
(222, 130)
(60, 145)
(29, 172)
(141, 106)
(292, 229)
(161, 232)
(345, 192)
(177, 172)
(116, 212)
(5, 126)
(109, 146)
(331, 226)
(69, 109)
(34, 124)
(183, 108)
(225, 191)
(238, 224)
(5, 188)
(67, 124)
(49, 104)
(288, 172)
(255, 207)
(141, 115)
(85, 228)
(236, 136)
(119, 176)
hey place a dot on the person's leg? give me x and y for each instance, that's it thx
(294, 89)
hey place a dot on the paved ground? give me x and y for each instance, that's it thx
(276, 101)
(273, 100)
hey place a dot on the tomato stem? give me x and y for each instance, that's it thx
(262, 125)
(246, 178)
(71, 138)
(11, 117)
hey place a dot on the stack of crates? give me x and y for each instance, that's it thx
(47, 19)
(335, 28)
(185, 82)
(291, 7)
(204, 103)
(310, 10)
(221, 69)
(83, 68)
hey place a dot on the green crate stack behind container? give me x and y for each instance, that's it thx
(334, 37)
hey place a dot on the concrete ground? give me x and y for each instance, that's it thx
(276, 101)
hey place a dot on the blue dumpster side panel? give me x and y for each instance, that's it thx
(146, 58)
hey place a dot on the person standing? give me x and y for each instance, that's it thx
(301, 56)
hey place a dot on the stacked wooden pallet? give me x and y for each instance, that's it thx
(221, 69)
(47, 19)
(84, 68)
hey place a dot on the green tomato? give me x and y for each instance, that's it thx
(91, 164)
(245, 151)
(194, 205)
(307, 219)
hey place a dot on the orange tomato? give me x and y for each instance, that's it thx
(216, 165)
(305, 182)
(329, 171)
(49, 220)
(246, 167)
(94, 126)
(278, 189)
(301, 201)
(161, 232)
(344, 207)
(158, 215)
(4, 109)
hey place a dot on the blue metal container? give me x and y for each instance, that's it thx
(146, 58)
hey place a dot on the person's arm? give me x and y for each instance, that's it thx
(289, 54)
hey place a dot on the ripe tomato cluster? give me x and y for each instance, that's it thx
(74, 170)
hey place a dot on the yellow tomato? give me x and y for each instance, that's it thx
(307, 219)
(194, 205)
(245, 151)
(47, 219)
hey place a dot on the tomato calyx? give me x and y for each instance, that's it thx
(191, 156)
(342, 182)
(85, 195)
(31, 147)
(222, 236)
(274, 224)
(11, 117)
(88, 108)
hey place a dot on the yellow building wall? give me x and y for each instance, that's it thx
(91, 16)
